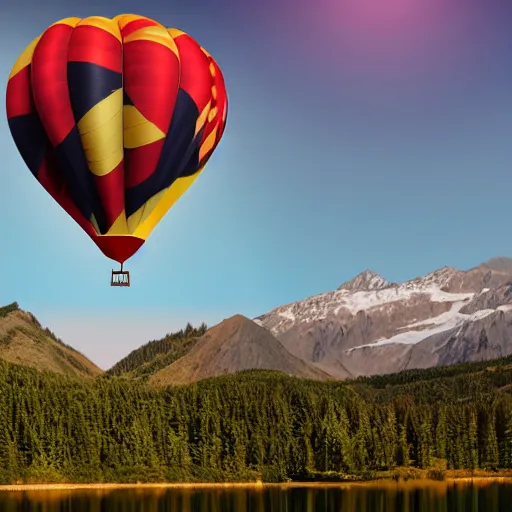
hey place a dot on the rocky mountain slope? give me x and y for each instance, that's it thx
(370, 326)
(233, 345)
(23, 341)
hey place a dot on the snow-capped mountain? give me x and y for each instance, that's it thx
(365, 281)
(369, 326)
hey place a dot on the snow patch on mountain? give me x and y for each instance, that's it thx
(439, 278)
(430, 320)
(441, 323)
(288, 314)
(319, 307)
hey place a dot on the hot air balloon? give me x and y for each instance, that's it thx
(116, 118)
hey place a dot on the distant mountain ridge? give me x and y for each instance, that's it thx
(370, 326)
(501, 264)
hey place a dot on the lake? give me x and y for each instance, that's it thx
(375, 497)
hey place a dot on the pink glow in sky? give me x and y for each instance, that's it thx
(395, 29)
(385, 16)
(395, 36)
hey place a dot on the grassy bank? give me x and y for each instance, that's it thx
(385, 479)
(53, 480)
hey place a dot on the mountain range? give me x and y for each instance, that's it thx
(370, 326)
(366, 326)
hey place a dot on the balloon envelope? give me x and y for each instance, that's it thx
(116, 118)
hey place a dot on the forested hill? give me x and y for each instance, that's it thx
(155, 355)
(253, 424)
(499, 366)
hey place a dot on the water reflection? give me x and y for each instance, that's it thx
(382, 497)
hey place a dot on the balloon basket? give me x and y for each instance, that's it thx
(120, 277)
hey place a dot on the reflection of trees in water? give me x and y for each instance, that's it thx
(378, 496)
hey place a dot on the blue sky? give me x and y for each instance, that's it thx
(357, 137)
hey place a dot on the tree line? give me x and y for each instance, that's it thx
(255, 424)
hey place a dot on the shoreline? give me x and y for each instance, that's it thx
(382, 482)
